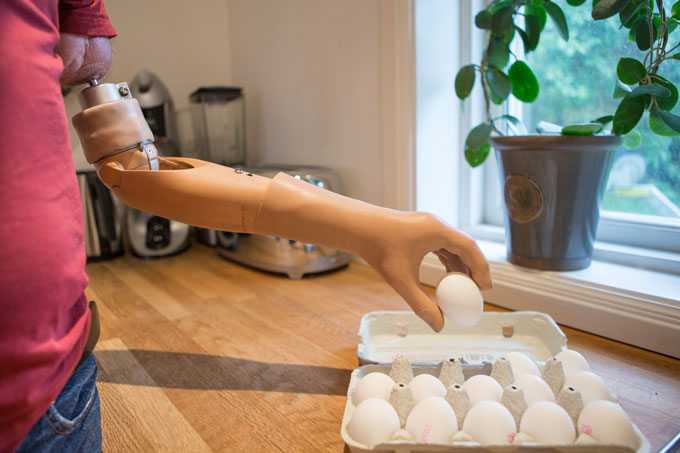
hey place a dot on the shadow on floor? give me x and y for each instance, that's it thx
(211, 372)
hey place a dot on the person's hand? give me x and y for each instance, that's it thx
(84, 57)
(398, 256)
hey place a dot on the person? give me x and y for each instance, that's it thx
(44, 316)
(48, 396)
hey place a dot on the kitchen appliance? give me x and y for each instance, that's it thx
(275, 254)
(158, 110)
(218, 119)
(102, 216)
(150, 236)
(218, 129)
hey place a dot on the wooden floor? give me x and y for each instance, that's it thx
(199, 354)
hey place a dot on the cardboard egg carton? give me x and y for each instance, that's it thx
(455, 355)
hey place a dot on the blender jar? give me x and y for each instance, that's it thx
(218, 119)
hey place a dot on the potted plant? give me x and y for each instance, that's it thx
(553, 181)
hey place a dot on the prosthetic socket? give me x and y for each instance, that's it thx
(118, 142)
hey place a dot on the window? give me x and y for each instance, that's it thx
(641, 207)
(643, 191)
(619, 300)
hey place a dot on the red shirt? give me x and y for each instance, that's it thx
(44, 319)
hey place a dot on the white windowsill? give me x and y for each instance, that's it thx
(628, 304)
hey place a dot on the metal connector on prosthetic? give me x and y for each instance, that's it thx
(112, 128)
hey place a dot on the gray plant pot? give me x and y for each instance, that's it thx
(553, 187)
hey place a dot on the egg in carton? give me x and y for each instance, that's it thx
(512, 402)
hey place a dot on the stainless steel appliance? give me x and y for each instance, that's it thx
(281, 255)
(102, 215)
(157, 108)
(218, 131)
(150, 236)
(218, 119)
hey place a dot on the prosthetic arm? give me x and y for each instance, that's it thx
(117, 140)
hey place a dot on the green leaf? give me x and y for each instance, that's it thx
(478, 136)
(658, 125)
(501, 20)
(675, 56)
(675, 9)
(483, 20)
(476, 156)
(499, 52)
(511, 119)
(495, 99)
(656, 22)
(576, 2)
(654, 90)
(635, 9)
(669, 102)
(628, 114)
(634, 27)
(537, 11)
(533, 30)
(465, 80)
(582, 129)
(499, 84)
(620, 90)
(496, 5)
(523, 81)
(643, 37)
(525, 39)
(630, 71)
(509, 34)
(558, 18)
(632, 140)
(604, 120)
(607, 8)
(671, 120)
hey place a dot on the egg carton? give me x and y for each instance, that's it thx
(454, 356)
(386, 334)
(409, 446)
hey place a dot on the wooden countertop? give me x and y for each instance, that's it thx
(200, 354)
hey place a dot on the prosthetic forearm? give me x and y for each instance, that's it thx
(117, 140)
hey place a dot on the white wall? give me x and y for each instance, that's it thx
(311, 75)
(310, 70)
(185, 43)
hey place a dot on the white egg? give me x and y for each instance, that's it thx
(548, 423)
(425, 385)
(590, 385)
(521, 364)
(607, 423)
(432, 421)
(534, 388)
(460, 299)
(373, 385)
(481, 387)
(374, 421)
(572, 361)
(490, 423)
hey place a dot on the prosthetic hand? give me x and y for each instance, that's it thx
(117, 140)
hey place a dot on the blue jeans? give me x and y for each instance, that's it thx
(73, 421)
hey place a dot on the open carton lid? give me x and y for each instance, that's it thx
(386, 334)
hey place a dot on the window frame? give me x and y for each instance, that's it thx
(596, 299)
